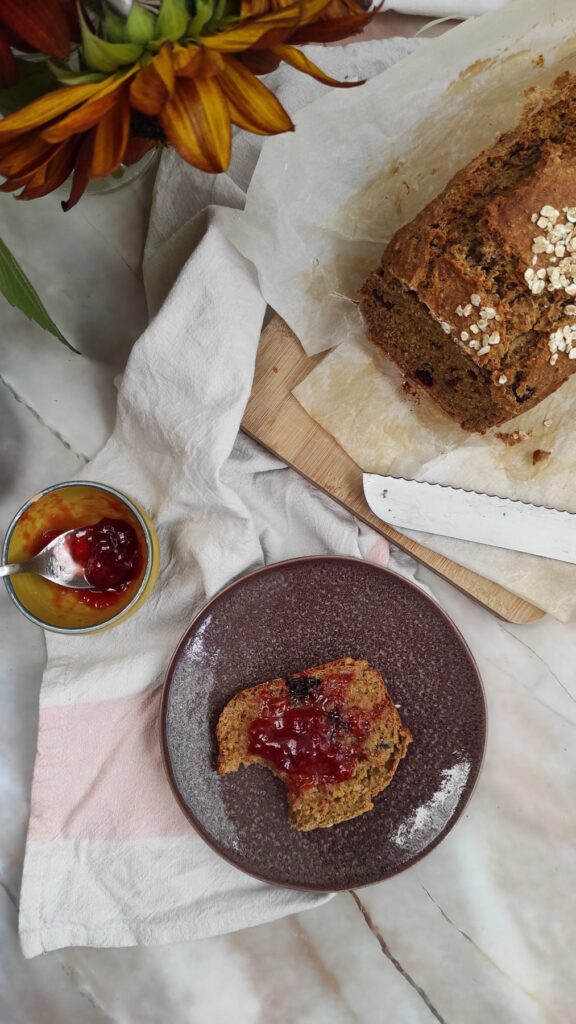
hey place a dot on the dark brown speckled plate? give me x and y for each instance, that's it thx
(294, 615)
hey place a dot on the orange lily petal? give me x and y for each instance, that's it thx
(53, 173)
(256, 8)
(12, 184)
(259, 62)
(335, 9)
(8, 67)
(197, 123)
(252, 106)
(312, 11)
(343, 8)
(154, 84)
(10, 146)
(111, 138)
(182, 55)
(46, 108)
(135, 149)
(33, 176)
(90, 112)
(197, 62)
(251, 35)
(84, 117)
(23, 180)
(70, 12)
(327, 31)
(21, 156)
(258, 32)
(298, 60)
(81, 177)
(40, 23)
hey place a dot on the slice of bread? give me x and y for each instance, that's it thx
(331, 733)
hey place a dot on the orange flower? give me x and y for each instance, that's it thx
(338, 19)
(335, 9)
(41, 25)
(79, 128)
(190, 94)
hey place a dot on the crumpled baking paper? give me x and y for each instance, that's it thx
(323, 205)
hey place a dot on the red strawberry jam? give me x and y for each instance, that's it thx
(110, 555)
(108, 551)
(309, 734)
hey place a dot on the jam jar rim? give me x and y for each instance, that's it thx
(121, 612)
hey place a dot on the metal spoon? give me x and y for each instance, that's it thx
(55, 563)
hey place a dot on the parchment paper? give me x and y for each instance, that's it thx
(322, 206)
(384, 432)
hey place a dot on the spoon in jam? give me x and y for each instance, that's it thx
(95, 557)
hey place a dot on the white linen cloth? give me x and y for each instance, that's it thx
(445, 8)
(110, 860)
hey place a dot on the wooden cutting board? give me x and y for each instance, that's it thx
(277, 421)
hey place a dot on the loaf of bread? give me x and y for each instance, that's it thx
(475, 299)
(331, 733)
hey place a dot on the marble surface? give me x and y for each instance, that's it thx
(481, 930)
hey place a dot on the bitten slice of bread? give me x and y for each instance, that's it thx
(357, 715)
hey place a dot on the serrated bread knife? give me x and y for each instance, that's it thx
(469, 515)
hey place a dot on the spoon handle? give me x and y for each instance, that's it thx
(11, 570)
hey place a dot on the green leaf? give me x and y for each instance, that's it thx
(204, 11)
(113, 27)
(63, 74)
(140, 25)
(217, 20)
(17, 289)
(172, 20)
(103, 56)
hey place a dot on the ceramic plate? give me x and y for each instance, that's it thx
(293, 615)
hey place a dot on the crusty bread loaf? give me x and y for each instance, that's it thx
(475, 298)
(344, 721)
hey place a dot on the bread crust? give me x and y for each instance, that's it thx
(475, 239)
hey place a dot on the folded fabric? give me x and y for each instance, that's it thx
(110, 859)
(445, 8)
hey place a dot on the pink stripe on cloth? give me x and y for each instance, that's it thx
(99, 773)
(379, 552)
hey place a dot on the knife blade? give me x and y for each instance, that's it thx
(470, 515)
